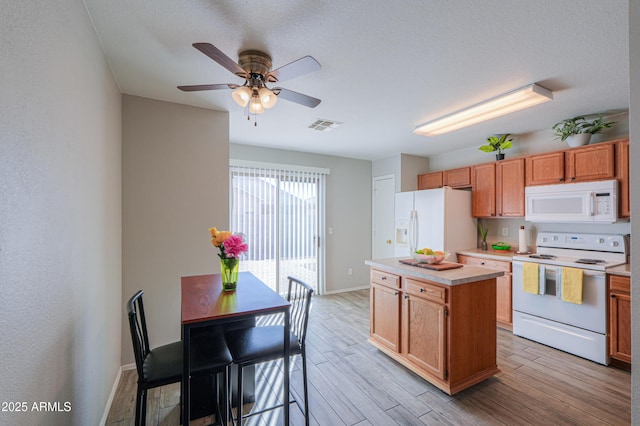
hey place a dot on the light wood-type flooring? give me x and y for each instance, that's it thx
(352, 383)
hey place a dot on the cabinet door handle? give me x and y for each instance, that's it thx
(383, 278)
(559, 179)
(406, 296)
(482, 263)
(421, 290)
(572, 178)
(613, 296)
(395, 293)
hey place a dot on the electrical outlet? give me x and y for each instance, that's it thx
(350, 271)
(505, 232)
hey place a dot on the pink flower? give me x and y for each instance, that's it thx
(234, 246)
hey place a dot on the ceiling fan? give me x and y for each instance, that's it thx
(255, 67)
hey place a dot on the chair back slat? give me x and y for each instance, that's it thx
(299, 295)
(138, 327)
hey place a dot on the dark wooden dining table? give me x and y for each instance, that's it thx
(204, 303)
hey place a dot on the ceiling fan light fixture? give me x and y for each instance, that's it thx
(515, 100)
(255, 106)
(241, 96)
(267, 97)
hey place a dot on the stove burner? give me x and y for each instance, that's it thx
(590, 261)
(542, 256)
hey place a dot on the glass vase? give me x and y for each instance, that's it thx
(229, 272)
(484, 245)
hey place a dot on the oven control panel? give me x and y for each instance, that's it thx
(598, 242)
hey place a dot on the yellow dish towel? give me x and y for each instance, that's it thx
(572, 285)
(530, 281)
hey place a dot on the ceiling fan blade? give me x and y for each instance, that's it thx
(198, 87)
(298, 98)
(296, 68)
(217, 55)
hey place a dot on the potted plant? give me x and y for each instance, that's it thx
(497, 143)
(577, 131)
(483, 233)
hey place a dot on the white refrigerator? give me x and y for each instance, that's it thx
(439, 219)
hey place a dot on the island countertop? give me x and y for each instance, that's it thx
(463, 275)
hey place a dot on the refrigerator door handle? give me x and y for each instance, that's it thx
(413, 231)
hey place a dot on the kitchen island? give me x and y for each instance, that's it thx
(439, 324)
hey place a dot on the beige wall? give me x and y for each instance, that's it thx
(175, 180)
(634, 146)
(348, 210)
(60, 215)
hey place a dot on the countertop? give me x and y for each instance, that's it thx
(463, 275)
(488, 254)
(622, 270)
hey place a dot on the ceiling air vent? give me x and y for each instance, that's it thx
(324, 125)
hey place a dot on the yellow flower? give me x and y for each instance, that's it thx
(218, 237)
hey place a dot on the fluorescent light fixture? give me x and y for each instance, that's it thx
(516, 100)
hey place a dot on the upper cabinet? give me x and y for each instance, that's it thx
(591, 162)
(622, 174)
(483, 191)
(510, 187)
(545, 169)
(498, 189)
(455, 178)
(430, 180)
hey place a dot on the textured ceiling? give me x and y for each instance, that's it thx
(386, 66)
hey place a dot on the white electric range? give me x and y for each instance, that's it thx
(580, 329)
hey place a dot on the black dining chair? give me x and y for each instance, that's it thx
(259, 344)
(163, 365)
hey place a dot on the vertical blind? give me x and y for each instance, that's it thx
(280, 211)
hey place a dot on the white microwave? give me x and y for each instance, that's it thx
(584, 202)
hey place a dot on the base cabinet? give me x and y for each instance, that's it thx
(504, 304)
(620, 318)
(447, 334)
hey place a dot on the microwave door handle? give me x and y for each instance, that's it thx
(542, 279)
(593, 204)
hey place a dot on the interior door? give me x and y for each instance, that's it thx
(383, 217)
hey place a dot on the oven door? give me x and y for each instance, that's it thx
(590, 315)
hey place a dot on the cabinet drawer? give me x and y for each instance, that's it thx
(385, 278)
(619, 284)
(501, 265)
(426, 290)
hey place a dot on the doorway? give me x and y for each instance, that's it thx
(280, 212)
(383, 216)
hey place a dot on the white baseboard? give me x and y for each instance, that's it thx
(126, 367)
(347, 290)
(111, 396)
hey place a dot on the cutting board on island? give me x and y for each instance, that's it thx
(433, 266)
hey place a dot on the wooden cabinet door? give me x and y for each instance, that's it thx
(457, 178)
(545, 169)
(510, 188)
(593, 162)
(430, 180)
(504, 308)
(483, 192)
(424, 327)
(504, 304)
(620, 318)
(622, 174)
(385, 316)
